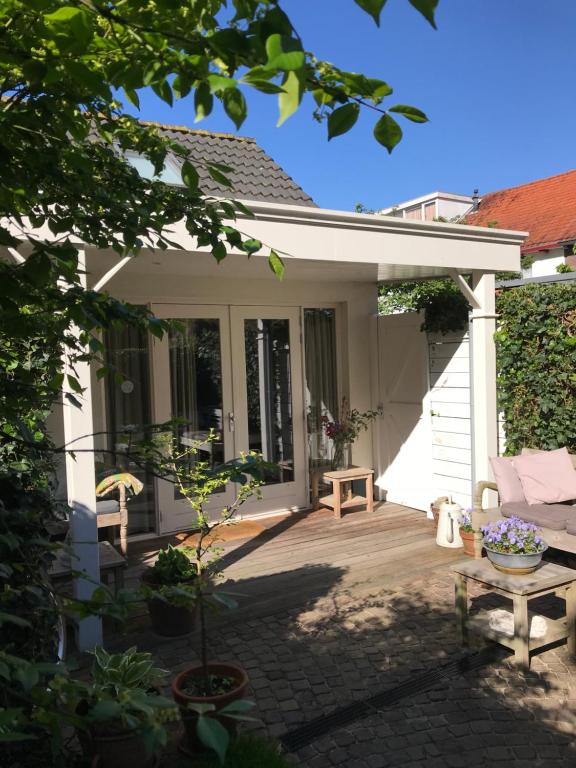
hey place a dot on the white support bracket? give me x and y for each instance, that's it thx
(111, 272)
(464, 288)
(16, 256)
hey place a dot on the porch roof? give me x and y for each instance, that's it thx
(341, 245)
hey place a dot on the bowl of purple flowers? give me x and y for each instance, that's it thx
(513, 545)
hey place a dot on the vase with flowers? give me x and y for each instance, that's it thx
(513, 545)
(343, 431)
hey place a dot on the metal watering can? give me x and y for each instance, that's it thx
(448, 534)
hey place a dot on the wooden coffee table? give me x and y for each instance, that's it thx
(342, 496)
(546, 579)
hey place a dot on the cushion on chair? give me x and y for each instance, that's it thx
(509, 486)
(547, 477)
(532, 451)
(107, 507)
(571, 525)
(554, 516)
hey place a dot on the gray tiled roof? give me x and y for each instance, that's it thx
(255, 177)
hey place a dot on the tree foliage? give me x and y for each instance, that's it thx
(536, 358)
(68, 70)
(443, 305)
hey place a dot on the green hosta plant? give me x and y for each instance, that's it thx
(130, 669)
(173, 577)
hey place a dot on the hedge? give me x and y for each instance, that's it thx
(536, 359)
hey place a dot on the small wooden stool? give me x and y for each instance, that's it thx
(342, 496)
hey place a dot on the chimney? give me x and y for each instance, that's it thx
(475, 201)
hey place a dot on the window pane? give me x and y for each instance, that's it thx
(269, 391)
(196, 386)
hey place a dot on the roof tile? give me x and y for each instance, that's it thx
(545, 208)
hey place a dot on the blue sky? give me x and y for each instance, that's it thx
(497, 80)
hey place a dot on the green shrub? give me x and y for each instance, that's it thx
(536, 358)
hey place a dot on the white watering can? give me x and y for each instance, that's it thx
(448, 534)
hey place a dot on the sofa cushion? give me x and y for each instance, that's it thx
(554, 516)
(509, 486)
(547, 477)
(531, 451)
(571, 525)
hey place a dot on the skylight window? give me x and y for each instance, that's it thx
(170, 174)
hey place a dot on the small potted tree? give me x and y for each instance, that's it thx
(210, 693)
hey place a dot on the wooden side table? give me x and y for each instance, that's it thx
(112, 564)
(342, 496)
(546, 579)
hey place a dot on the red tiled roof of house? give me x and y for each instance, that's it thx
(545, 208)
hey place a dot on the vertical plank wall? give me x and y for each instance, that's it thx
(449, 361)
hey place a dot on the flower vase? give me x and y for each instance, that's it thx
(341, 456)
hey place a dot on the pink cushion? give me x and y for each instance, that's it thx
(547, 477)
(509, 486)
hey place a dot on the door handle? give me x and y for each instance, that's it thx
(231, 421)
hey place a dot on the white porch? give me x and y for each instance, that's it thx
(335, 261)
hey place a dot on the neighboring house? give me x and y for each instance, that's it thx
(260, 360)
(545, 208)
(431, 207)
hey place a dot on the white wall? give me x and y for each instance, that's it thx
(546, 263)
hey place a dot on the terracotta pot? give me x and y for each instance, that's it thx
(192, 742)
(435, 508)
(468, 541)
(116, 750)
(168, 620)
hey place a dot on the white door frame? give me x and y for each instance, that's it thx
(175, 514)
(281, 496)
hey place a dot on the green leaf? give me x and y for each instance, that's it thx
(213, 735)
(240, 706)
(387, 132)
(106, 710)
(276, 264)
(190, 176)
(265, 86)
(235, 106)
(132, 97)
(219, 251)
(203, 102)
(410, 113)
(218, 176)
(72, 27)
(219, 83)
(341, 120)
(426, 8)
(289, 101)
(10, 618)
(284, 53)
(373, 8)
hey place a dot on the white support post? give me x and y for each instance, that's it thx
(80, 474)
(484, 407)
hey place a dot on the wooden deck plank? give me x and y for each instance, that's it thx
(298, 559)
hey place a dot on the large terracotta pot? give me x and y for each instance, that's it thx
(168, 620)
(189, 718)
(468, 541)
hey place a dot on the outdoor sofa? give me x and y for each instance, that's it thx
(557, 521)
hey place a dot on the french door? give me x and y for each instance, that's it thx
(236, 371)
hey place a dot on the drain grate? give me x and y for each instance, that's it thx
(320, 726)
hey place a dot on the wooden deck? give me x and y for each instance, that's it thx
(284, 562)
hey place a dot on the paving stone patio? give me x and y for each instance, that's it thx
(339, 648)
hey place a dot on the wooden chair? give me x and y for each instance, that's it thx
(111, 513)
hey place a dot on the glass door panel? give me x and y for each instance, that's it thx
(128, 418)
(193, 385)
(268, 405)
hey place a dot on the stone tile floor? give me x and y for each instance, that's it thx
(341, 648)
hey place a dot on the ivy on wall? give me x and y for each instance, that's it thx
(445, 309)
(536, 359)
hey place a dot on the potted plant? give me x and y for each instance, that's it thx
(344, 430)
(120, 710)
(210, 693)
(467, 532)
(513, 545)
(169, 587)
